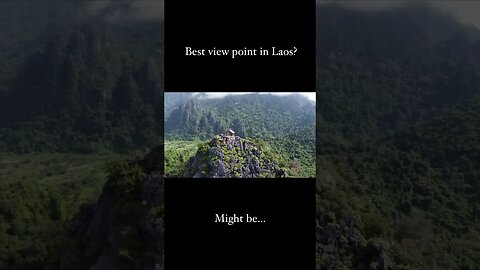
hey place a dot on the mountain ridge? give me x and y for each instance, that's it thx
(233, 157)
(286, 123)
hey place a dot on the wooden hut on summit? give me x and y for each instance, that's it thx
(230, 133)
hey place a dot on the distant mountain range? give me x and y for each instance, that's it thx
(250, 115)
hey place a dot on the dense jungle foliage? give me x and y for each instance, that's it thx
(398, 127)
(77, 80)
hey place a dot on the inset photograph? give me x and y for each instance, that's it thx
(240, 135)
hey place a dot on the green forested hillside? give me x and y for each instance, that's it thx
(173, 100)
(414, 195)
(286, 123)
(76, 77)
(252, 115)
(39, 194)
(83, 82)
(398, 126)
(398, 172)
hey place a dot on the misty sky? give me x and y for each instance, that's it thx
(464, 10)
(309, 95)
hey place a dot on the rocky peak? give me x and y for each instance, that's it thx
(229, 156)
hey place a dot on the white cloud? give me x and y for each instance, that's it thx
(309, 95)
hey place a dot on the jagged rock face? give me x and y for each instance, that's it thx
(232, 157)
(342, 245)
(124, 229)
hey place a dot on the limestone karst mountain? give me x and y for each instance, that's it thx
(230, 156)
(285, 122)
